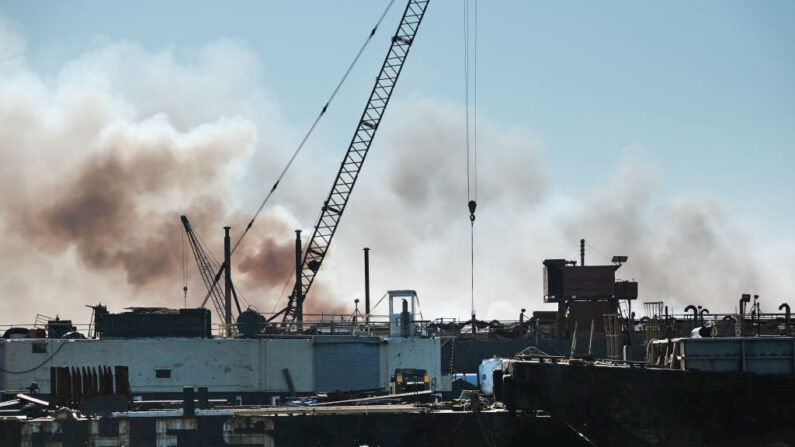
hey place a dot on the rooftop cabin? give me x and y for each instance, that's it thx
(585, 294)
(565, 280)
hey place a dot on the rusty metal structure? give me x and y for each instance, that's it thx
(73, 386)
(584, 293)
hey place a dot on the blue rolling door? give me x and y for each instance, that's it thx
(346, 363)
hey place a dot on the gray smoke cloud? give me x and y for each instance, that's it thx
(682, 249)
(686, 250)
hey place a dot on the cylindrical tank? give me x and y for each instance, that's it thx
(701, 332)
(486, 374)
(249, 323)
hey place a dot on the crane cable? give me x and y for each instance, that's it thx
(471, 146)
(314, 124)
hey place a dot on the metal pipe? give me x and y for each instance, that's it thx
(695, 313)
(227, 286)
(785, 306)
(367, 284)
(630, 323)
(574, 341)
(582, 251)
(405, 320)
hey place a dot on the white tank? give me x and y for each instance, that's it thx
(486, 375)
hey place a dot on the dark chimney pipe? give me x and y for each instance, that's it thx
(582, 251)
(227, 285)
(785, 306)
(405, 320)
(298, 289)
(695, 314)
(366, 285)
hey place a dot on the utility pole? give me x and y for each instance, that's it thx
(227, 284)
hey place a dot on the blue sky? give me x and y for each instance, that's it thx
(696, 96)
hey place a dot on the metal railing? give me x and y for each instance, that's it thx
(676, 325)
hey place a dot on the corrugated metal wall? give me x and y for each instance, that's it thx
(346, 363)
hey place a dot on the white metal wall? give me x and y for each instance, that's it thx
(227, 365)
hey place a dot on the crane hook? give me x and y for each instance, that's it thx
(472, 206)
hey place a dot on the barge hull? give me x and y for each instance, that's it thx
(623, 405)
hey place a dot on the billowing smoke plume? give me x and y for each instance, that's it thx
(108, 208)
(271, 262)
(100, 160)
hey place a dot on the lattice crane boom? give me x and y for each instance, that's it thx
(335, 204)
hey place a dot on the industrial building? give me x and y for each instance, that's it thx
(247, 370)
(166, 350)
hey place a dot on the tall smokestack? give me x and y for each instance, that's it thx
(298, 291)
(367, 284)
(227, 284)
(582, 251)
